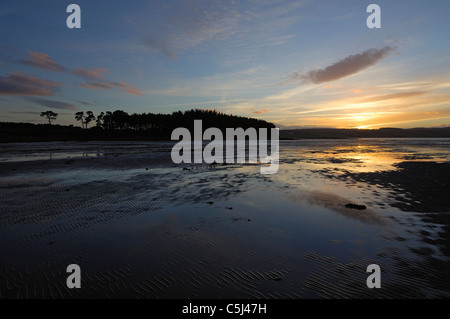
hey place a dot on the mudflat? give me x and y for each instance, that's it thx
(140, 226)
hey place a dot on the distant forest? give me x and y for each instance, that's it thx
(120, 125)
(164, 124)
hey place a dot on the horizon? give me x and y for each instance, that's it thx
(297, 64)
(281, 128)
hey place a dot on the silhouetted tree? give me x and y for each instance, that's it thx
(84, 118)
(88, 118)
(108, 121)
(79, 116)
(50, 116)
(99, 121)
(120, 119)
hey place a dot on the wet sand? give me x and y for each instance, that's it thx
(141, 227)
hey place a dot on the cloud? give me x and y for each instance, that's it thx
(346, 67)
(84, 102)
(18, 83)
(95, 73)
(180, 25)
(393, 96)
(53, 104)
(99, 85)
(42, 61)
(262, 111)
(105, 85)
(128, 88)
(163, 46)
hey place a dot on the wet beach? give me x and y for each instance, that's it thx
(140, 226)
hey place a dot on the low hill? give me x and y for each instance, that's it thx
(329, 133)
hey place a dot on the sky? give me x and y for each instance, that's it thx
(298, 64)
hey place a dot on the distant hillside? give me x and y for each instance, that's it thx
(329, 133)
(119, 125)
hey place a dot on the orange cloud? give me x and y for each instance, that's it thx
(393, 96)
(43, 61)
(262, 111)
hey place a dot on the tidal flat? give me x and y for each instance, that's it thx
(140, 226)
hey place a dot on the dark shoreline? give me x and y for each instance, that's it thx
(330, 133)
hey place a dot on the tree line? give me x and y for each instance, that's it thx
(120, 120)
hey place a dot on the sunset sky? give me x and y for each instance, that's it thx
(301, 63)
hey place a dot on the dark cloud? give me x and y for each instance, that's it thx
(346, 67)
(393, 96)
(53, 104)
(18, 83)
(42, 61)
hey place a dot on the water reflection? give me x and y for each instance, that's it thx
(364, 154)
(226, 228)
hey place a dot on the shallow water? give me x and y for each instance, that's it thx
(140, 226)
